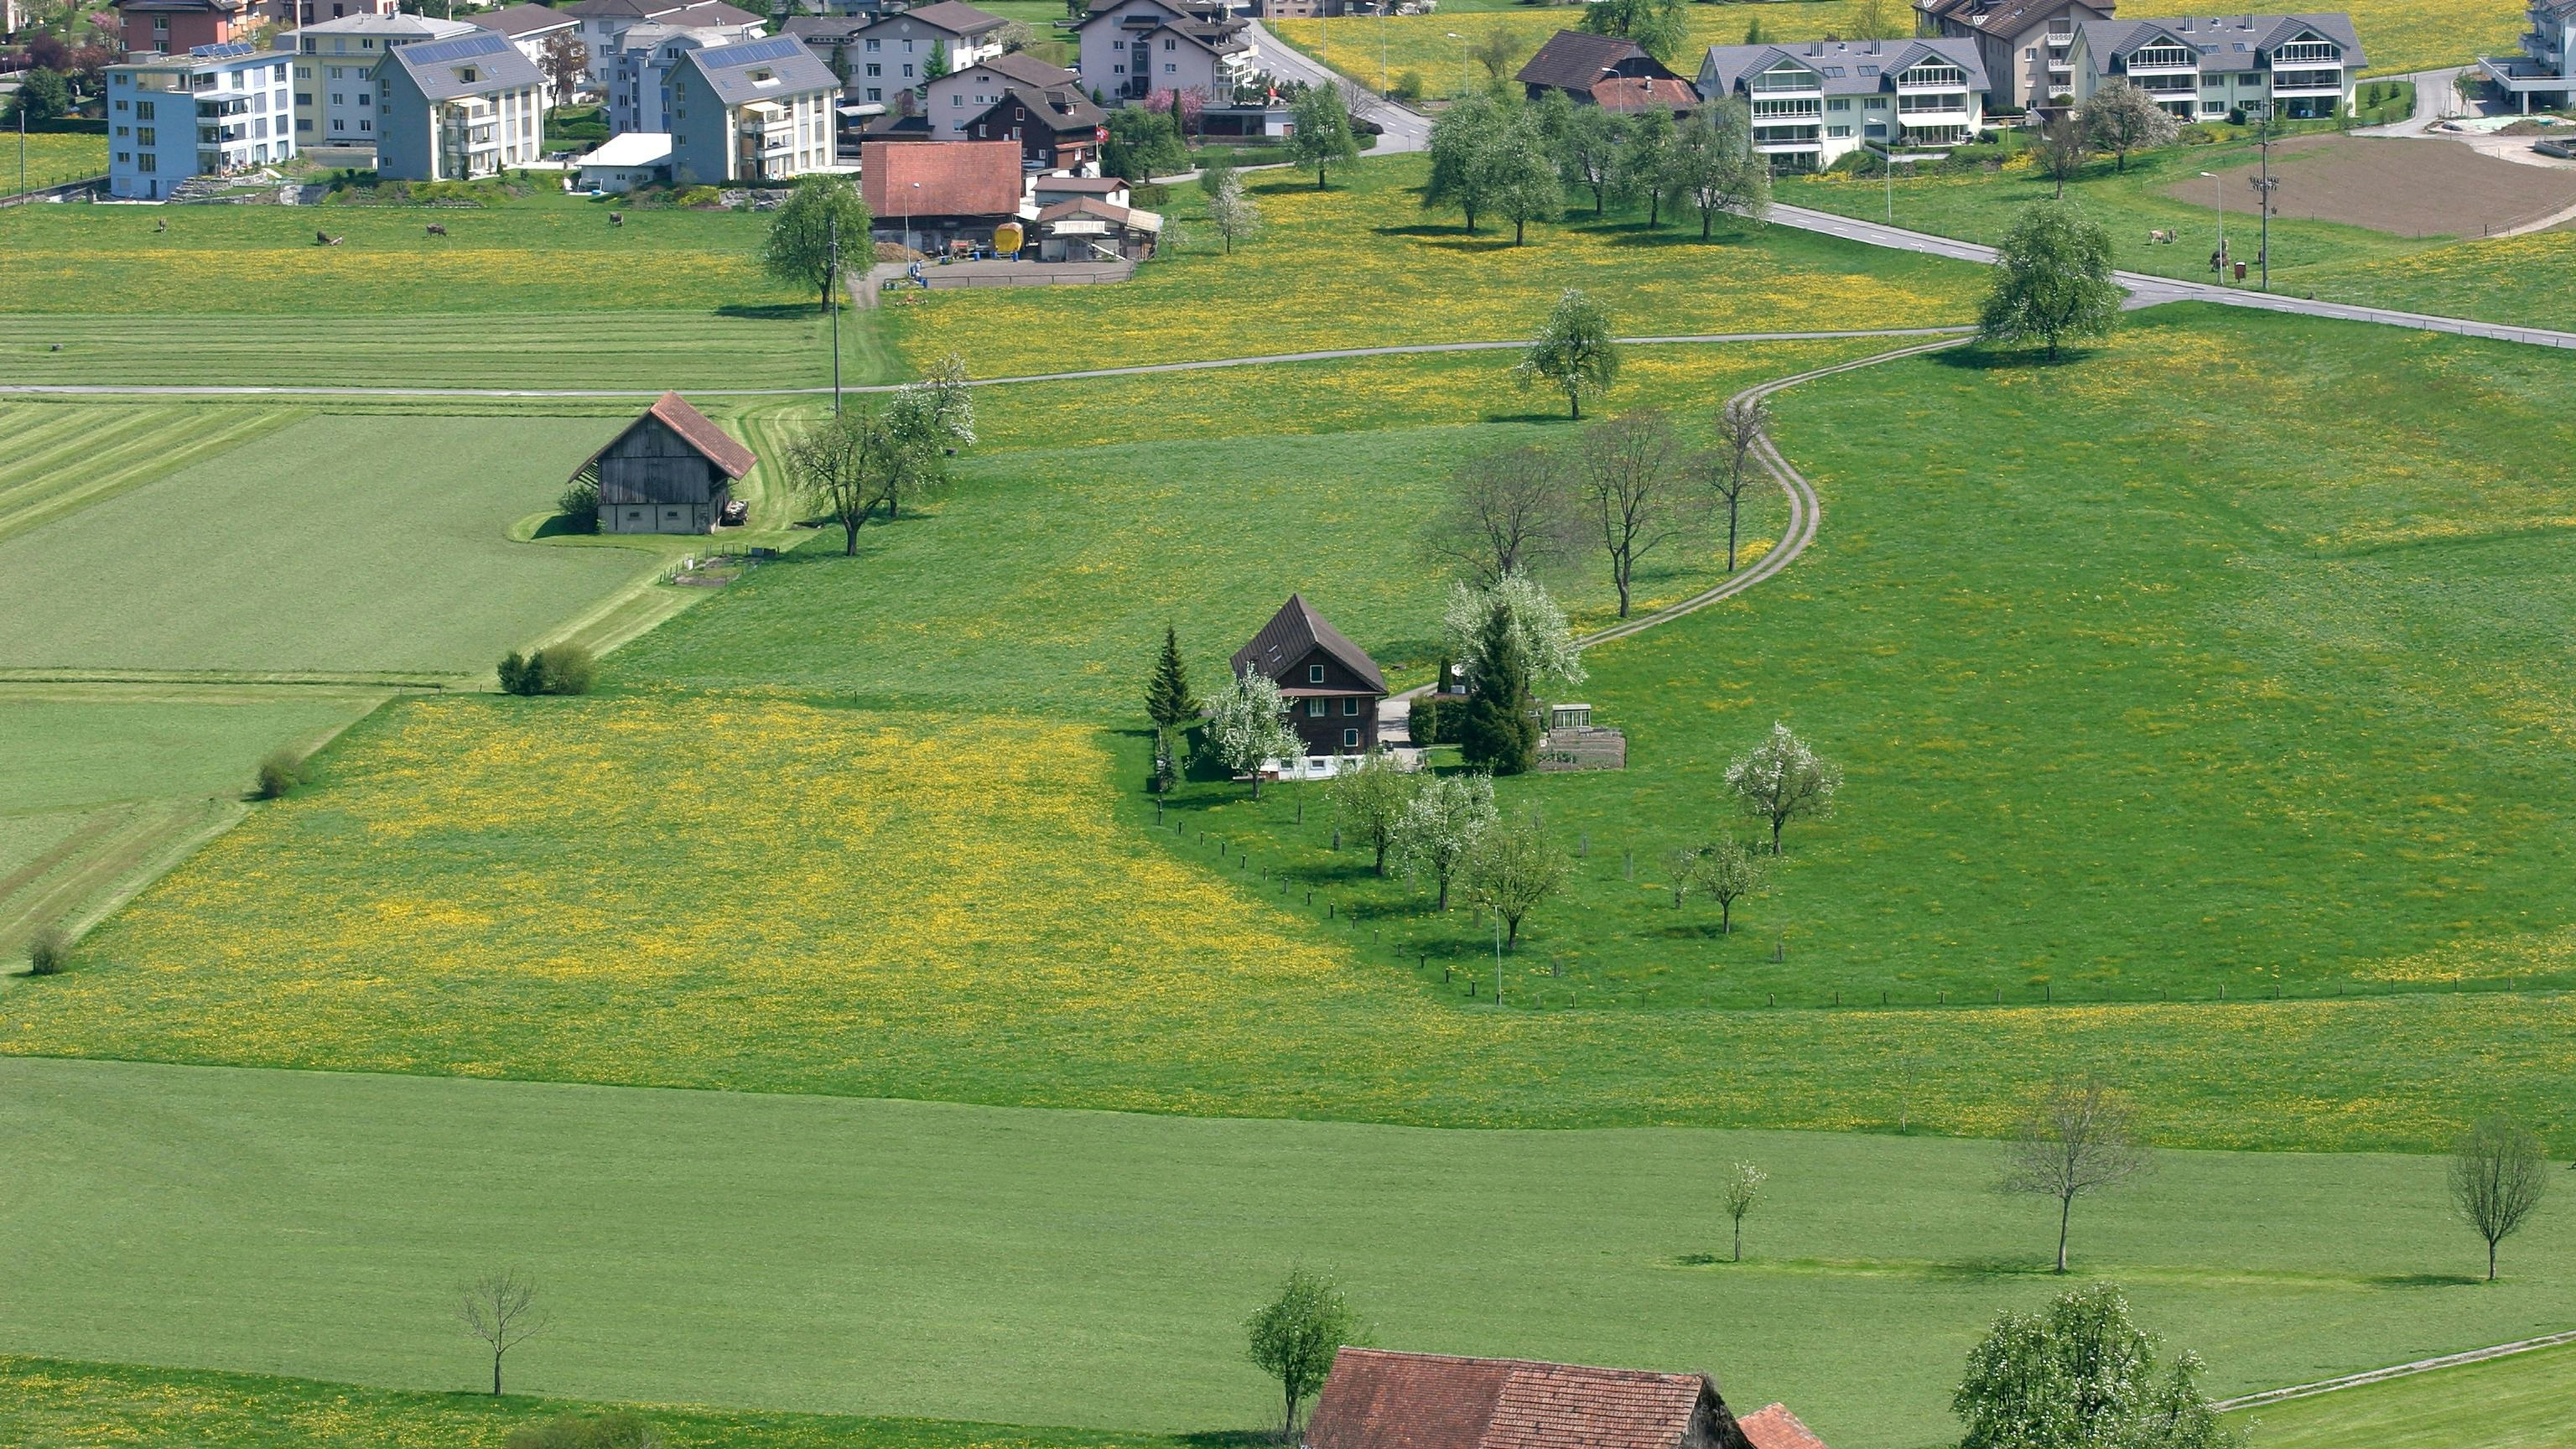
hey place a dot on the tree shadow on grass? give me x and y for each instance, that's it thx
(1976, 357)
(772, 312)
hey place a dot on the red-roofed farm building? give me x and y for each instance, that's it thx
(670, 471)
(1375, 1399)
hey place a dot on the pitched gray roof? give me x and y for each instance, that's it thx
(1845, 67)
(953, 16)
(1572, 60)
(1025, 68)
(434, 65)
(2227, 42)
(524, 20)
(792, 68)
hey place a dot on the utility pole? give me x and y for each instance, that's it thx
(1498, 956)
(22, 143)
(835, 222)
(2263, 188)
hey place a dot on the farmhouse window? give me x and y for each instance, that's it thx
(1314, 709)
(1350, 739)
(1314, 674)
(1350, 706)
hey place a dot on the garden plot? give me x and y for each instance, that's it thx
(2405, 187)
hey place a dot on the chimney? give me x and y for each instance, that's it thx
(2186, 25)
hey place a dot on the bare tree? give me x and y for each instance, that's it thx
(2498, 1172)
(1507, 511)
(1498, 52)
(2078, 1140)
(499, 1307)
(565, 61)
(1740, 426)
(1625, 473)
(2063, 149)
(845, 464)
(1363, 103)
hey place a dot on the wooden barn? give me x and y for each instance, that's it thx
(670, 471)
(1375, 1399)
(1331, 685)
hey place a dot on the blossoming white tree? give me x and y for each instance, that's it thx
(1250, 726)
(1538, 626)
(1440, 826)
(1781, 779)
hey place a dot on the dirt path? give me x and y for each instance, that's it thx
(2396, 1371)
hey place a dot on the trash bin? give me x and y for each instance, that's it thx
(2240, 271)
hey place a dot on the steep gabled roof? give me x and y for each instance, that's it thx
(2224, 43)
(1572, 60)
(1293, 633)
(695, 428)
(621, 9)
(1644, 93)
(1845, 67)
(1379, 1400)
(1062, 110)
(954, 178)
(954, 16)
(1024, 68)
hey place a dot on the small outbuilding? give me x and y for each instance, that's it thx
(670, 471)
(1331, 685)
(622, 163)
(1375, 1399)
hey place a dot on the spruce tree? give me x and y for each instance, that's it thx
(1169, 703)
(1497, 730)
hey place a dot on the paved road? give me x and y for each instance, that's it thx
(43, 389)
(2147, 291)
(1406, 129)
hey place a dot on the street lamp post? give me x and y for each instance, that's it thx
(2220, 187)
(908, 199)
(2263, 187)
(1462, 63)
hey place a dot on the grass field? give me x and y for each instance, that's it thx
(536, 292)
(1111, 540)
(52, 1404)
(2320, 634)
(2494, 281)
(2511, 1403)
(337, 544)
(2397, 35)
(1028, 1267)
(1363, 265)
(64, 458)
(51, 157)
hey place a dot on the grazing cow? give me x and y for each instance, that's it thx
(325, 239)
(436, 230)
(162, 225)
(617, 218)
(2160, 238)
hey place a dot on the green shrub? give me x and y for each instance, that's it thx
(46, 951)
(615, 1430)
(1408, 86)
(579, 505)
(2197, 134)
(1427, 721)
(279, 773)
(1149, 195)
(555, 669)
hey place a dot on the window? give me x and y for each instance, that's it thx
(365, 124)
(120, 130)
(304, 98)
(907, 70)
(1350, 739)
(1314, 709)
(1839, 132)
(1350, 706)
(876, 93)
(1314, 674)
(958, 102)
(1117, 45)
(874, 47)
(143, 135)
(303, 124)
(337, 99)
(143, 110)
(122, 158)
(1838, 105)
(1170, 69)
(907, 47)
(1118, 70)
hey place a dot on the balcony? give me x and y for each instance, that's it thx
(1781, 140)
(1951, 103)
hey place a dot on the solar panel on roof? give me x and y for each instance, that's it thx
(224, 51)
(750, 52)
(463, 47)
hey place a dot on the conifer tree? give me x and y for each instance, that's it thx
(1170, 705)
(1497, 730)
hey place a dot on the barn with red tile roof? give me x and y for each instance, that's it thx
(669, 471)
(1375, 1399)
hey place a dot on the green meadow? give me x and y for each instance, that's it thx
(2509, 1403)
(918, 1259)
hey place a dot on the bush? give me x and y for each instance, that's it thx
(2196, 134)
(579, 505)
(279, 774)
(1426, 724)
(619, 1430)
(1148, 195)
(46, 951)
(1408, 86)
(555, 669)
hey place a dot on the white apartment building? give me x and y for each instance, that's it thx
(211, 112)
(2545, 71)
(335, 72)
(2203, 68)
(1820, 100)
(455, 110)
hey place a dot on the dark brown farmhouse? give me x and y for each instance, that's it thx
(669, 472)
(1375, 1399)
(1590, 68)
(1331, 685)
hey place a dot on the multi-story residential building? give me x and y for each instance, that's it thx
(892, 53)
(2546, 69)
(954, 101)
(1130, 49)
(292, 13)
(211, 112)
(2203, 67)
(454, 110)
(1058, 129)
(639, 87)
(2027, 45)
(1817, 101)
(335, 71)
(532, 28)
(604, 23)
(760, 111)
(175, 27)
